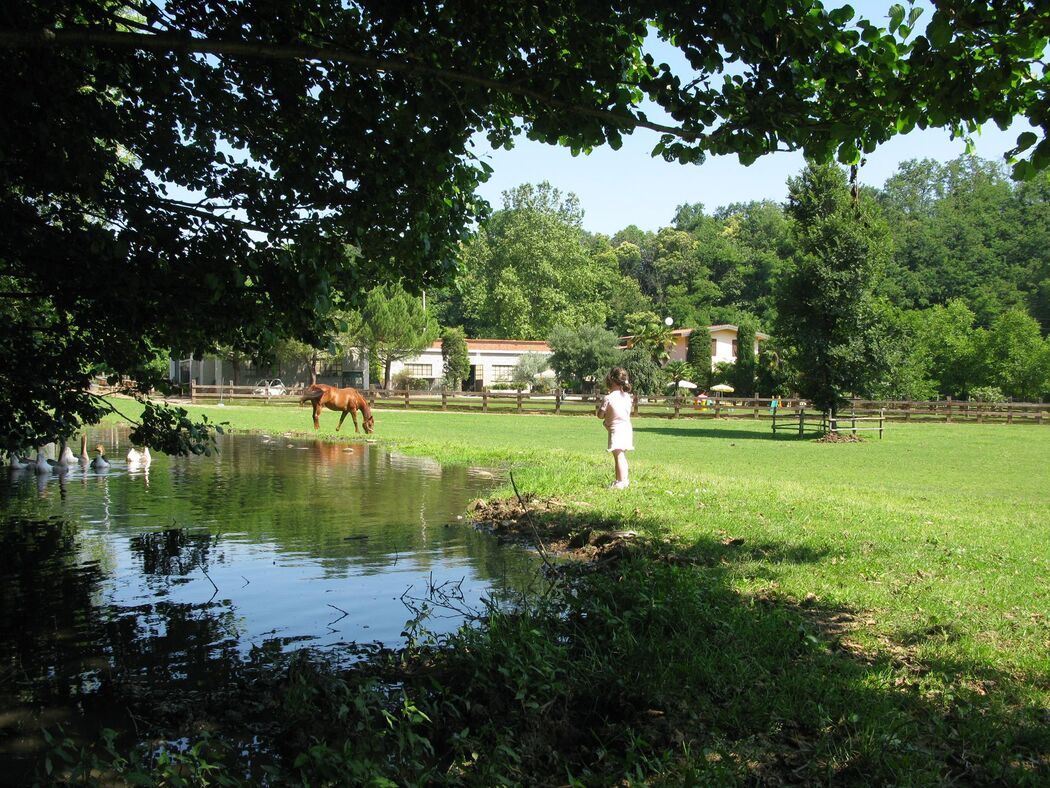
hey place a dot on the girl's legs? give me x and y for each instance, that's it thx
(620, 458)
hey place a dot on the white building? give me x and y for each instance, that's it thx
(723, 343)
(491, 361)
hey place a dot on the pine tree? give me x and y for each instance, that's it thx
(746, 367)
(396, 326)
(456, 357)
(825, 304)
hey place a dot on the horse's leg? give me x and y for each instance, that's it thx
(341, 418)
(353, 415)
(317, 414)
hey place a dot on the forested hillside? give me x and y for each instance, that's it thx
(962, 294)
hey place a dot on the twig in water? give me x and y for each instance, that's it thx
(345, 614)
(532, 524)
(198, 562)
(247, 582)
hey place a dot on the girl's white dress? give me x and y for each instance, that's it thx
(616, 410)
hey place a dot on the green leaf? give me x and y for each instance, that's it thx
(939, 32)
(896, 16)
(1026, 140)
(841, 16)
(848, 153)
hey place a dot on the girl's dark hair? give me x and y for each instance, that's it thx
(618, 375)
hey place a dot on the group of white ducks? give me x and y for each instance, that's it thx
(66, 459)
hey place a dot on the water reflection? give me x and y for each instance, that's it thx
(166, 577)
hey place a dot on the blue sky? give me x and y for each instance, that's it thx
(628, 186)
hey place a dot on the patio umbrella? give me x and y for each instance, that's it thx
(723, 387)
(683, 384)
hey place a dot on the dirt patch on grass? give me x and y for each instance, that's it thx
(836, 437)
(551, 527)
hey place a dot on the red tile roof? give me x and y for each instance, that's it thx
(531, 345)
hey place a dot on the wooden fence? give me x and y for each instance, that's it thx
(799, 421)
(664, 406)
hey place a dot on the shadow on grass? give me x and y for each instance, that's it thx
(757, 687)
(758, 433)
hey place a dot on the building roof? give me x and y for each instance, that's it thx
(731, 327)
(523, 345)
(687, 332)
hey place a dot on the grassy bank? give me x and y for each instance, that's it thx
(800, 612)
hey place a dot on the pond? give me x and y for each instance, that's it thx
(167, 577)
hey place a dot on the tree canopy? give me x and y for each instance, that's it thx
(826, 309)
(185, 175)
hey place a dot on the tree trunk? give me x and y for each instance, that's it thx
(313, 369)
(386, 374)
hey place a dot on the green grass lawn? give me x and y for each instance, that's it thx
(914, 569)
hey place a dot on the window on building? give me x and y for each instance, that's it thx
(734, 349)
(714, 346)
(420, 370)
(502, 373)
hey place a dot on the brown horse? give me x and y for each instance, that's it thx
(345, 400)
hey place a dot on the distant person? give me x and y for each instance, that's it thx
(615, 409)
(773, 405)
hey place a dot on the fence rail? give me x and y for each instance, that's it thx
(662, 406)
(799, 421)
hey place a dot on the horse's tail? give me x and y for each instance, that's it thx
(312, 394)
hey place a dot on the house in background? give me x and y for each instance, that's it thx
(491, 361)
(723, 343)
(341, 371)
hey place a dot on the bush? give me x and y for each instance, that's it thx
(987, 394)
(404, 380)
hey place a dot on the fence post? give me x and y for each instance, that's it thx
(949, 419)
(755, 403)
(406, 399)
(882, 420)
(1009, 414)
(634, 404)
(444, 399)
(801, 421)
(677, 405)
(519, 401)
(484, 402)
(193, 391)
(557, 401)
(774, 422)
(371, 398)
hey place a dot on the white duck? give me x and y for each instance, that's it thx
(136, 457)
(100, 461)
(41, 465)
(17, 462)
(66, 458)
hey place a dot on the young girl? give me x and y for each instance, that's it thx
(615, 409)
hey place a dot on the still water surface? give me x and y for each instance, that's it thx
(168, 574)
